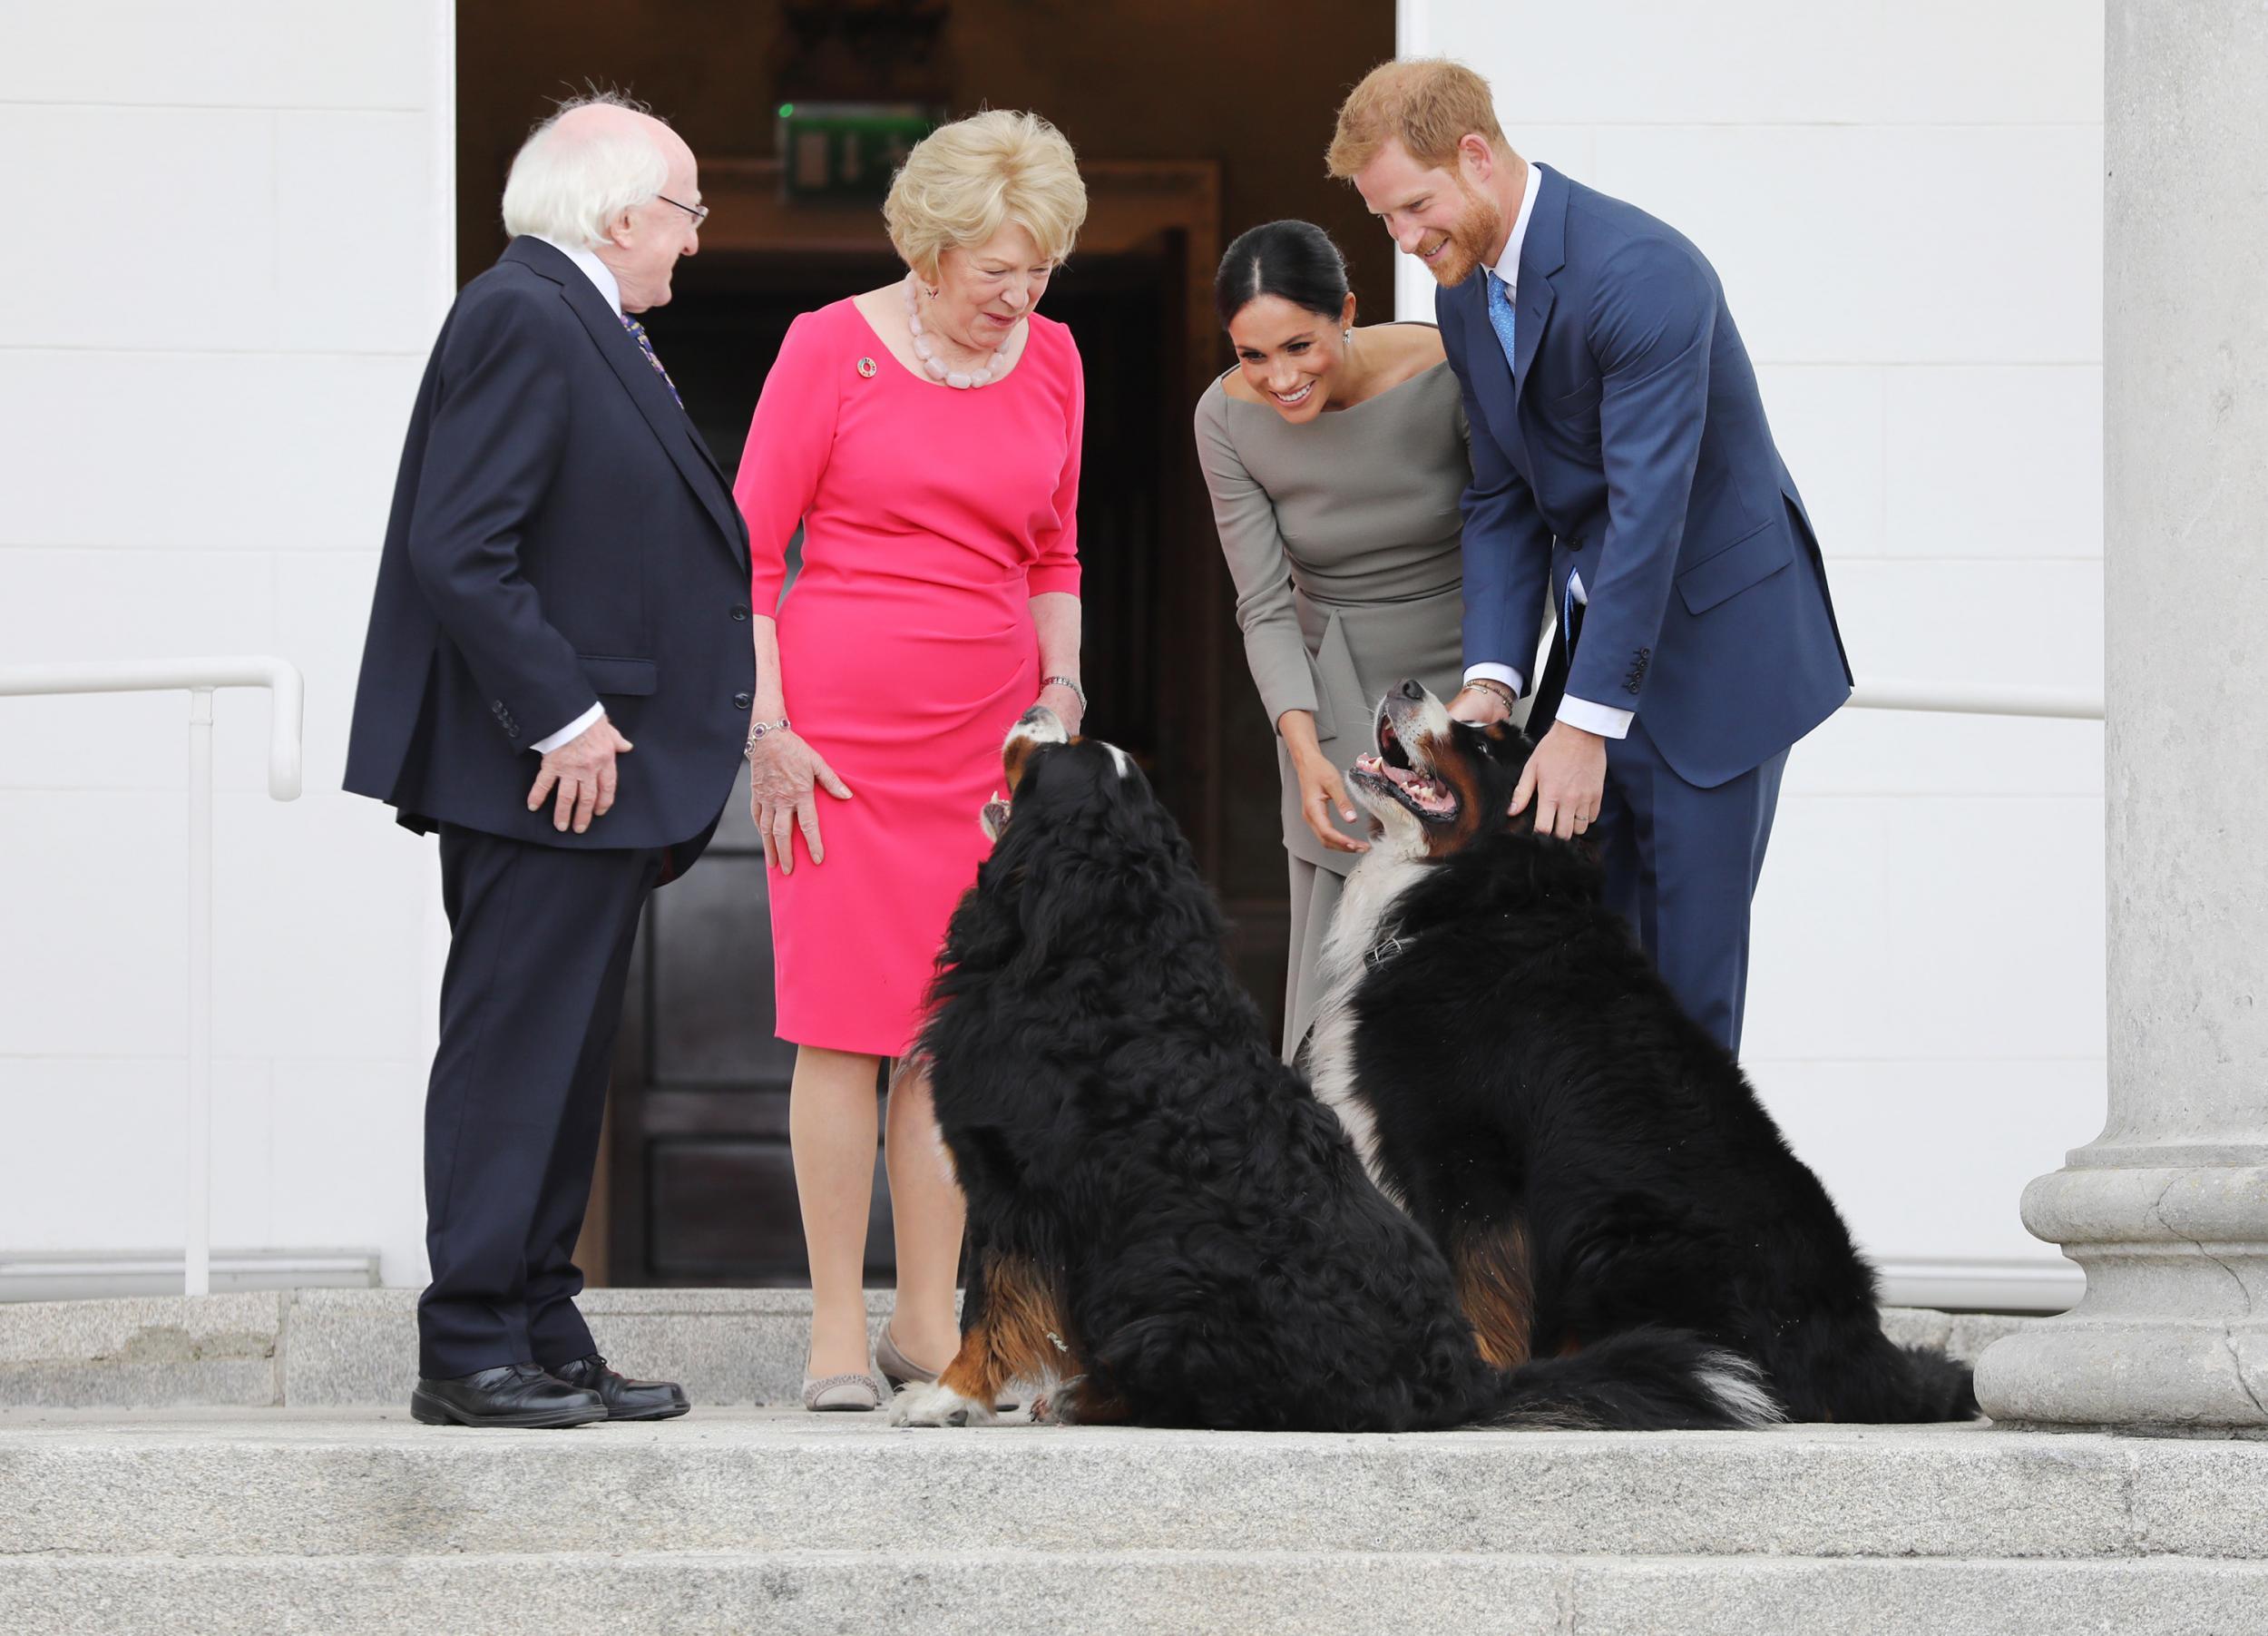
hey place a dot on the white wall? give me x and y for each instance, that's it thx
(233, 247)
(1904, 199)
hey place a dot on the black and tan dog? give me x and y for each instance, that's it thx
(1517, 1076)
(1172, 1230)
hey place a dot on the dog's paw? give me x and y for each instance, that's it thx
(929, 1403)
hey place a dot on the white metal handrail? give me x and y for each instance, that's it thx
(287, 706)
(1937, 698)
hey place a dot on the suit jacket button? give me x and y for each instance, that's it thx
(742, 701)
(739, 610)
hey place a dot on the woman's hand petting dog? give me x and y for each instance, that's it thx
(1066, 706)
(1321, 787)
(1321, 792)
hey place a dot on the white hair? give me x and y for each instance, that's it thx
(574, 185)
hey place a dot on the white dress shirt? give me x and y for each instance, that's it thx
(603, 276)
(1604, 719)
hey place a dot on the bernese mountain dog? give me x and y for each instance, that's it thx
(1516, 1075)
(1168, 1227)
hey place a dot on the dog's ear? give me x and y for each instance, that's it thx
(1015, 757)
(1502, 739)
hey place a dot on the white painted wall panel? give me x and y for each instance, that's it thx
(1998, 461)
(1781, 61)
(266, 451)
(1911, 245)
(98, 1146)
(260, 54)
(205, 402)
(147, 268)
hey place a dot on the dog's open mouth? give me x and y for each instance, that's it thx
(1395, 771)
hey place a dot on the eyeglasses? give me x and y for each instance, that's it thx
(698, 212)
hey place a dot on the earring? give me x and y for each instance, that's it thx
(1348, 334)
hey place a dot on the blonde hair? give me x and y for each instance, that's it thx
(1431, 103)
(964, 182)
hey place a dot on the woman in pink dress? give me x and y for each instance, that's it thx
(926, 436)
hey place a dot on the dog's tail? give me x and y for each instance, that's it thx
(1936, 1387)
(1646, 1379)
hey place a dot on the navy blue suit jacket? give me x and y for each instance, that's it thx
(1626, 439)
(560, 537)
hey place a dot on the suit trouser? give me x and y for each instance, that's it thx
(539, 957)
(1682, 865)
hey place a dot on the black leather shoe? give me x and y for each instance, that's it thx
(509, 1394)
(625, 1399)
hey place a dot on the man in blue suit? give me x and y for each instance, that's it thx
(1621, 466)
(566, 576)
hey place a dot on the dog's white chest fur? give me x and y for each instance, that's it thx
(1364, 907)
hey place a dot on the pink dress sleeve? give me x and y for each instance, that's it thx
(790, 437)
(1055, 567)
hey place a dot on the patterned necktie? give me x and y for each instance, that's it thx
(1500, 319)
(638, 333)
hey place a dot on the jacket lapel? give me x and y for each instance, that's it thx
(1492, 377)
(670, 424)
(1542, 253)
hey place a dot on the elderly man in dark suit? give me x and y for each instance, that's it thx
(1622, 462)
(557, 677)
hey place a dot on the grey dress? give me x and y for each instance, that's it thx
(1343, 535)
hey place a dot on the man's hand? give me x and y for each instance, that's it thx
(582, 769)
(1479, 705)
(1567, 777)
(783, 771)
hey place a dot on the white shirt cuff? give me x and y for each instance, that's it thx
(1496, 672)
(1604, 719)
(580, 724)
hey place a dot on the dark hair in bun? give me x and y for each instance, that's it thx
(1294, 259)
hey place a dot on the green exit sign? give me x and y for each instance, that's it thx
(848, 150)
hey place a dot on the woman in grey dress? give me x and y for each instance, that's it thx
(1337, 460)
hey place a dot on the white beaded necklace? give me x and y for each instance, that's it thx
(984, 375)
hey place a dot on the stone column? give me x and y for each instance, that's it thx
(2167, 1211)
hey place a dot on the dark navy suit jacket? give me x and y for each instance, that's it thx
(1626, 439)
(559, 537)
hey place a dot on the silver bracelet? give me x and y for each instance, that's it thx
(757, 729)
(1071, 683)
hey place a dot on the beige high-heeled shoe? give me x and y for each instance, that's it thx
(842, 1394)
(901, 1371)
(896, 1367)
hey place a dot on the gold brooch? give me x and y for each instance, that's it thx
(866, 368)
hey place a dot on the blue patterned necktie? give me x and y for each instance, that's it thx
(638, 333)
(1501, 319)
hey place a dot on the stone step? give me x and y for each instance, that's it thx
(282, 1482)
(929, 1593)
(332, 1348)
